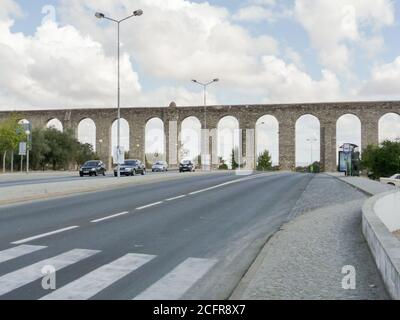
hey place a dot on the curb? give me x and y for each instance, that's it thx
(351, 185)
(384, 246)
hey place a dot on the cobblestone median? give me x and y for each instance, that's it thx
(305, 259)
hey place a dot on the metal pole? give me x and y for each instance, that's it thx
(205, 127)
(27, 156)
(22, 161)
(119, 112)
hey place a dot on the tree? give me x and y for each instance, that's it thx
(11, 134)
(234, 164)
(383, 160)
(264, 162)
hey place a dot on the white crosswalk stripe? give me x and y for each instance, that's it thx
(176, 283)
(17, 252)
(26, 275)
(99, 279)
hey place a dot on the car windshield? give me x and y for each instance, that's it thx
(91, 164)
(186, 162)
(159, 163)
(396, 176)
(130, 163)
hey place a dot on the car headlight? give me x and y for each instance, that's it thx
(93, 169)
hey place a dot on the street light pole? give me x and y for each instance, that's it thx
(311, 140)
(205, 85)
(118, 22)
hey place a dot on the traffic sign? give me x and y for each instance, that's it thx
(22, 148)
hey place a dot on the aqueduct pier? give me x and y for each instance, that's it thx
(287, 115)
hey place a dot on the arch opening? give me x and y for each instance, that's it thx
(190, 140)
(155, 141)
(267, 137)
(124, 135)
(55, 124)
(308, 137)
(348, 130)
(87, 133)
(389, 127)
(228, 140)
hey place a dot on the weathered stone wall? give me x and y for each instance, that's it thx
(287, 115)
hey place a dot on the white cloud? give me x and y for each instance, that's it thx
(72, 64)
(335, 26)
(58, 66)
(384, 81)
(254, 14)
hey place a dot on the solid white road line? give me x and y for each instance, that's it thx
(24, 276)
(44, 235)
(19, 251)
(225, 184)
(176, 198)
(110, 217)
(99, 279)
(174, 284)
(149, 205)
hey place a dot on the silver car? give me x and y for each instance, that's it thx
(160, 166)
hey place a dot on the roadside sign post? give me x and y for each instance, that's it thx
(22, 153)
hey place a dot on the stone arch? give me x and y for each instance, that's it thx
(87, 133)
(124, 134)
(307, 140)
(348, 130)
(155, 140)
(389, 127)
(228, 138)
(190, 139)
(267, 137)
(55, 124)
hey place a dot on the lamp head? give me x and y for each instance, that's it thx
(99, 15)
(138, 12)
(216, 80)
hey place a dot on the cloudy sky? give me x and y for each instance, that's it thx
(54, 51)
(56, 54)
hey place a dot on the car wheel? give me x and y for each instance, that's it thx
(81, 174)
(104, 173)
(115, 175)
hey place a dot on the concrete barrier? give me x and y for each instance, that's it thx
(381, 216)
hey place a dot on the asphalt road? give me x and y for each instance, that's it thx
(40, 179)
(187, 239)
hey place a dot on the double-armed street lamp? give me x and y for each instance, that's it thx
(205, 85)
(100, 15)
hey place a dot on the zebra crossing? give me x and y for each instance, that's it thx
(171, 286)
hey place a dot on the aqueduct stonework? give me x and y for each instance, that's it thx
(369, 114)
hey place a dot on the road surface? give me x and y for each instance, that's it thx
(187, 239)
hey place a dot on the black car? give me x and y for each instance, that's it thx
(92, 168)
(186, 165)
(131, 168)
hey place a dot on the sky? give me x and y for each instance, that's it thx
(56, 54)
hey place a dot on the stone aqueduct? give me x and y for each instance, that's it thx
(369, 114)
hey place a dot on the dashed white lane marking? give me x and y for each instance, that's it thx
(176, 198)
(149, 205)
(176, 283)
(99, 279)
(19, 251)
(21, 277)
(44, 235)
(110, 217)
